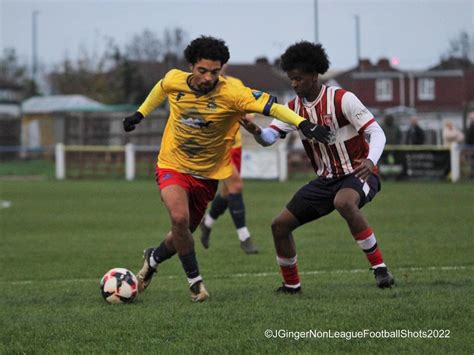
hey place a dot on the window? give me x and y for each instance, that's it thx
(426, 88)
(383, 90)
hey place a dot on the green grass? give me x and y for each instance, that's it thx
(59, 238)
(38, 168)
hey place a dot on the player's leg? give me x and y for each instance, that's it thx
(234, 187)
(218, 207)
(282, 228)
(154, 256)
(179, 239)
(201, 193)
(352, 195)
(311, 202)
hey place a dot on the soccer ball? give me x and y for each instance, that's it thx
(119, 285)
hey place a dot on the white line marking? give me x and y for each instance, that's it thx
(251, 274)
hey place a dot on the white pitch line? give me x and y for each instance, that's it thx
(250, 274)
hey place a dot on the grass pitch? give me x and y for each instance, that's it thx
(59, 238)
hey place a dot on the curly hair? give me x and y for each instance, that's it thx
(206, 47)
(306, 56)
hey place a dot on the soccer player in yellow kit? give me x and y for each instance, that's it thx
(205, 110)
(230, 195)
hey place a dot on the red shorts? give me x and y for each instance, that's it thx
(200, 191)
(236, 157)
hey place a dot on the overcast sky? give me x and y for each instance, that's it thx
(415, 31)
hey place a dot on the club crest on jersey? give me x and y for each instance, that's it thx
(211, 104)
(327, 119)
(257, 94)
(179, 95)
(195, 122)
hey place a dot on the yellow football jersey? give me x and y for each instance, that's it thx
(237, 140)
(238, 136)
(201, 128)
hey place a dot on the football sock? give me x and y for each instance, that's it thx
(190, 267)
(243, 233)
(160, 254)
(209, 221)
(367, 242)
(289, 271)
(218, 207)
(237, 210)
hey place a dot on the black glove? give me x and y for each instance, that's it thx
(130, 121)
(314, 131)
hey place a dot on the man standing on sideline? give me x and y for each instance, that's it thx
(195, 151)
(345, 168)
(415, 134)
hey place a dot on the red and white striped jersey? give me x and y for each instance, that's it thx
(343, 113)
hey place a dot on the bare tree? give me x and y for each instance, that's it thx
(145, 46)
(461, 47)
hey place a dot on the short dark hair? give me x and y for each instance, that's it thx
(206, 47)
(306, 56)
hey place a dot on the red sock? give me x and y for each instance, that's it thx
(367, 242)
(289, 271)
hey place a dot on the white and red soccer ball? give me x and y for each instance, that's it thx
(119, 285)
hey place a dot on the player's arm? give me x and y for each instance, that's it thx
(154, 99)
(309, 129)
(363, 121)
(376, 145)
(249, 100)
(263, 136)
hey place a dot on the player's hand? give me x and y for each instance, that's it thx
(314, 131)
(130, 122)
(250, 126)
(365, 168)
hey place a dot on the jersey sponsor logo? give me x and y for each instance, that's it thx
(195, 122)
(191, 148)
(360, 115)
(179, 95)
(211, 104)
(257, 94)
(327, 119)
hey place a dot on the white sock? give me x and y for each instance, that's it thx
(287, 261)
(209, 221)
(243, 234)
(193, 281)
(379, 265)
(151, 261)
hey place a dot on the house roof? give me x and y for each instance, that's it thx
(261, 76)
(61, 103)
(5, 84)
(453, 63)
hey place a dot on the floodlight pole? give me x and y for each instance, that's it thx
(357, 33)
(34, 39)
(316, 22)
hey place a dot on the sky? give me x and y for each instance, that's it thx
(416, 32)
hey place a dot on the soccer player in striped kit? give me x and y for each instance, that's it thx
(346, 167)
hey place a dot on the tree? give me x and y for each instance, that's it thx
(461, 47)
(144, 47)
(114, 76)
(16, 73)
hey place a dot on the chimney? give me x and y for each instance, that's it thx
(384, 64)
(364, 64)
(262, 60)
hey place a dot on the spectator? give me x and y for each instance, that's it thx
(470, 130)
(415, 134)
(392, 131)
(451, 134)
